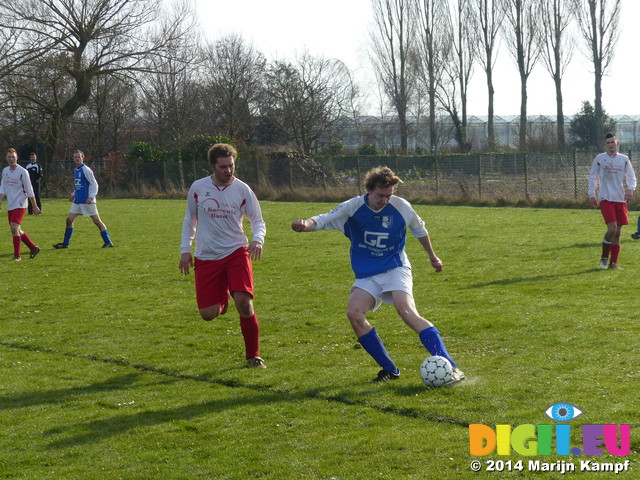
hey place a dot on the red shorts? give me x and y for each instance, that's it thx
(215, 279)
(16, 215)
(614, 212)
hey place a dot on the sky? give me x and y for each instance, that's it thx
(281, 29)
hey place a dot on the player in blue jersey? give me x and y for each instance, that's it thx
(84, 202)
(376, 224)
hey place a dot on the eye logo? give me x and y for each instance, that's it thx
(563, 412)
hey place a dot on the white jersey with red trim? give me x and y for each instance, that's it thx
(214, 217)
(609, 173)
(16, 186)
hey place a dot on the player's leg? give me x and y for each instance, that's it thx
(15, 235)
(427, 332)
(239, 271)
(103, 230)
(360, 302)
(68, 232)
(622, 218)
(607, 243)
(607, 209)
(636, 236)
(210, 285)
(15, 217)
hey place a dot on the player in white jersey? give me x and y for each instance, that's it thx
(376, 224)
(609, 172)
(216, 206)
(16, 187)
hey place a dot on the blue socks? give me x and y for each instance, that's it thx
(105, 236)
(69, 231)
(67, 235)
(372, 343)
(430, 338)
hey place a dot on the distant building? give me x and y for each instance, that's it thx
(383, 132)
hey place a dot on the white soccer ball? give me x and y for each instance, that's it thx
(436, 371)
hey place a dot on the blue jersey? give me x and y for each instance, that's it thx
(377, 237)
(84, 184)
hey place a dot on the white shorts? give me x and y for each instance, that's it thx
(88, 210)
(381, 286)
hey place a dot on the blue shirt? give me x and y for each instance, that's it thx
(377, 237)
(84, 184)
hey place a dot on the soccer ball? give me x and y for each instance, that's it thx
(436, 371)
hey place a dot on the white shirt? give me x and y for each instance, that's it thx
(609, 173)
(16, 186)
(217, 212)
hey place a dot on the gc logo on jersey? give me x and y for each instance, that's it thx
(375, 239)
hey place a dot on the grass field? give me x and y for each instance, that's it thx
(107, 371)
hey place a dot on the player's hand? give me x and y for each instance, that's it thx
(36, 210)
(71, 198)
(593, 203)
(298, 225)
(628, 195)
(436, 263)
(255, 250)
(89, 201)
(186, 261)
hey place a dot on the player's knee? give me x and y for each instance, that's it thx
(356, 316)
(209, 313)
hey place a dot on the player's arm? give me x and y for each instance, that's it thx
(34, 205)
(188, 234)
(436, 263)
(631, 181)
(304, 225)
(594, 181)
(93, 185)
(258, 227)
(333, 220)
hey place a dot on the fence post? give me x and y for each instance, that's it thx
(437, 179)
(290, 173)
(575, 176)
(526, 176)
(358, 175)
(165, 180)
(479, 176)
(257, 167)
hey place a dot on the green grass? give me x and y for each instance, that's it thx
(107, 371)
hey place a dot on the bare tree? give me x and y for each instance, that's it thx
(522, 27)
(85, 40)
(556, 47)
(107, 119)
(434, 48)
(233, 84)
(489, 18)
(307, 100)
(598, 21)
(171, 96)
(459, 67)
(391, 55)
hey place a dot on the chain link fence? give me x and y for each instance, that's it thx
(506, 177)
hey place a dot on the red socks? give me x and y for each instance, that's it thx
(251, 333)
(615, 251)
(16, 246)
(27, 241)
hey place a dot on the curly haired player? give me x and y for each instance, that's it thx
(376, 224)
